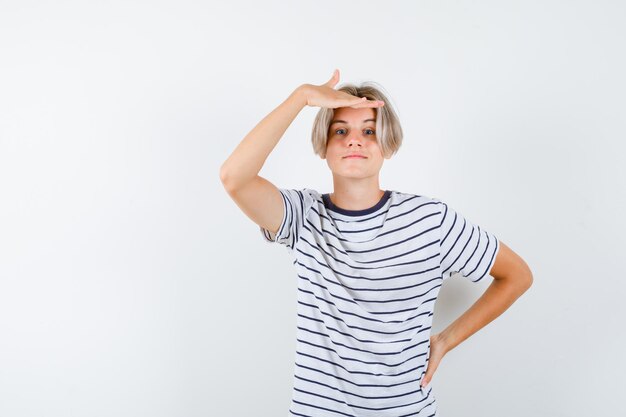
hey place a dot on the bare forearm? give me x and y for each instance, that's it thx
(248, 158)
(498, 297)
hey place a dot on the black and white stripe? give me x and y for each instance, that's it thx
(367, 284)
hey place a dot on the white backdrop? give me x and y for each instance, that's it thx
(131, 284)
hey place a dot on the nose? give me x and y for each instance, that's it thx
(354, 140)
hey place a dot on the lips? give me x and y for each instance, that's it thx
(355, 156)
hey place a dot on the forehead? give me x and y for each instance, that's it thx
(351, 115)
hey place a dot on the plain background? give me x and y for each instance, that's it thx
(132, 285)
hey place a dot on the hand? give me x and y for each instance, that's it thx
(325, 95)
(438, 350)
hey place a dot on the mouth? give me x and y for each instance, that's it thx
(354, 157)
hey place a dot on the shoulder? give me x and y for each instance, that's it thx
(311, 192)
(301, 192)
(421, 200)
(301, 199)
(309, 195)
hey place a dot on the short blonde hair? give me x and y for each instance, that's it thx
(388, 129)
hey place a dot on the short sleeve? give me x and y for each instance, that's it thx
(296, 204)
(465, 247)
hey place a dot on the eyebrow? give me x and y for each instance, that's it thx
(343, 121)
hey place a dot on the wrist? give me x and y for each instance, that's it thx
(445, 340)
(301, 94)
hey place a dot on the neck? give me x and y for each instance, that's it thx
(358, 195)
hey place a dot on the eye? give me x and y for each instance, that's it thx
(366, 130)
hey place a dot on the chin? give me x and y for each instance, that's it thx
(354, 175)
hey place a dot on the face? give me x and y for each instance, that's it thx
(353, 131)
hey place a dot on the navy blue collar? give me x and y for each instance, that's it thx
(331, 206)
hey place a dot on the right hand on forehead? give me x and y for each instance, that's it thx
(325, 95)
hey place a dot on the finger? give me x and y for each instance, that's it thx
(334, 79)
(369, 103)
(429, 374)
(348, 99)
(426, 377)
(373, 103)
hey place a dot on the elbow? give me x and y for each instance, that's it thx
(225, 178)
(525, 283)
(231, 181)
(519, 279)
(528, 276)
(522, 278)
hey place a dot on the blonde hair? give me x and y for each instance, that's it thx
(388, 129)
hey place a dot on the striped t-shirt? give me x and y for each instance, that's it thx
(367, 285)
